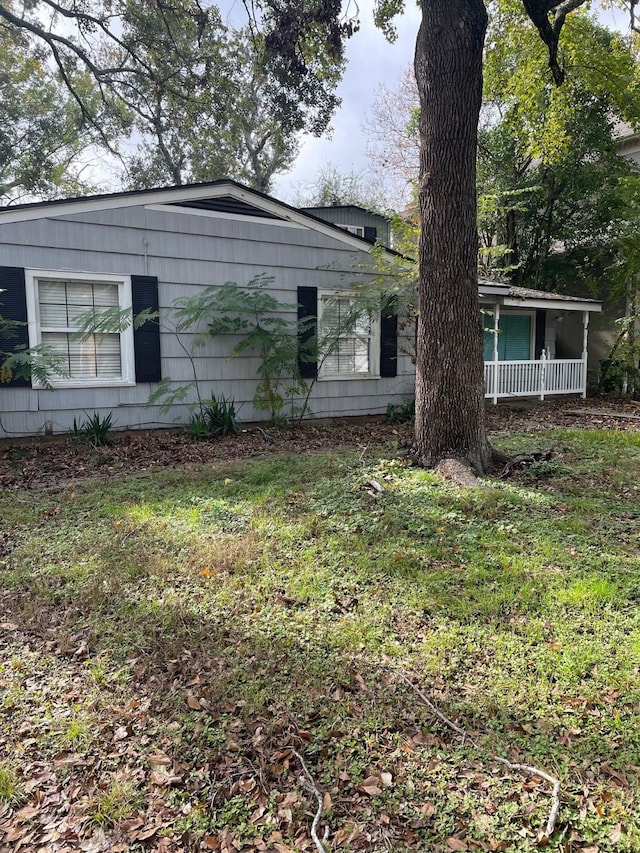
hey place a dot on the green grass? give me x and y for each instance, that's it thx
(283, 596)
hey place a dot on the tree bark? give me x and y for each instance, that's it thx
(449, 370)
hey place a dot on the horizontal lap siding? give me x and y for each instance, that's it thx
(187, 253)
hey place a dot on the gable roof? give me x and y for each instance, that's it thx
(221, 197)
(345, 207)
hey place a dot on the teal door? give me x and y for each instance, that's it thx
(514, 338)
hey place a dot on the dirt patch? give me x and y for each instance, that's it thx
(48, 463)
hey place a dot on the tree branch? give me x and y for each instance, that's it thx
(520, 768)
(308, 783)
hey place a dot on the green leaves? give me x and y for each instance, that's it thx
(552, 186)
(37, 363)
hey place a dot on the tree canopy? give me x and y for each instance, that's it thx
(194, 98)
(43, 139)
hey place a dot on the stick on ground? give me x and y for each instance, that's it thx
(307, 782)
(520, 768)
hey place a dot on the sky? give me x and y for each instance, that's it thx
(371, 62)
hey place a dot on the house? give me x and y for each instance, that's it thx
(357, 220)
(144, 249)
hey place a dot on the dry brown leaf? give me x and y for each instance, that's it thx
(370, 788)
(159, 759)
(616, 833)
(454, 843)
(193, 702)
(147, 833)
(615, 774)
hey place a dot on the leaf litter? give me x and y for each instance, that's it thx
(153, 757)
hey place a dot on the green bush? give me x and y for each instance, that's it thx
(216, 418)
(400, 413)
(220, 415)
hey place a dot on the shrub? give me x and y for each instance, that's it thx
(216, 418)
(400, 413)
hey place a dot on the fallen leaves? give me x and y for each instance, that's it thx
(38, 465)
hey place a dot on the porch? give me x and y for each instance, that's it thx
(527, 351)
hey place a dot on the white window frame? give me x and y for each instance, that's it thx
(127, 362)
(373, 347)
(356, 230)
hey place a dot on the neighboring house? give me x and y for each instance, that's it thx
(357, 220)
(145, 249)
(604, 331)
(527, 350)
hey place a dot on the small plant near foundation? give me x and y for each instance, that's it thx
(95, 429)
(401, 413)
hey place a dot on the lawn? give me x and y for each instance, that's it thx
(176, 643)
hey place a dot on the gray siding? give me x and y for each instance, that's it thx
(352, 215)
(186, 252)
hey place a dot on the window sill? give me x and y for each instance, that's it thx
(72, 385)
(340, 377)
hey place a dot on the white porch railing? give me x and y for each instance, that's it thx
(540, 378)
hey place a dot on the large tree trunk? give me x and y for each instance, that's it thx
(449, 378)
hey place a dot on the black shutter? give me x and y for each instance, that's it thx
(146, 338)
(370, 233)
(13, 306)
(541, 322)
(307, 310)
(389, 339)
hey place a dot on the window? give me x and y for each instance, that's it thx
(56, 301)
(358, 230)
(514, 338)
(349, 338)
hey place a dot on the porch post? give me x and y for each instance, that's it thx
(496, 324)
(585, 335)
(543, 370)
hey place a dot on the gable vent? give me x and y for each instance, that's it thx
(227, 204)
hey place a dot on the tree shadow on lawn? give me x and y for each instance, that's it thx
(242, 687)
(249, 603)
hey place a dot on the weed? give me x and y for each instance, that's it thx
(109, 806)
(77, 733)
(96, 429)
(11, 791)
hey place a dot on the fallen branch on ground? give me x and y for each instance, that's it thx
(520, 768)
(268, 438)
(309, 784)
